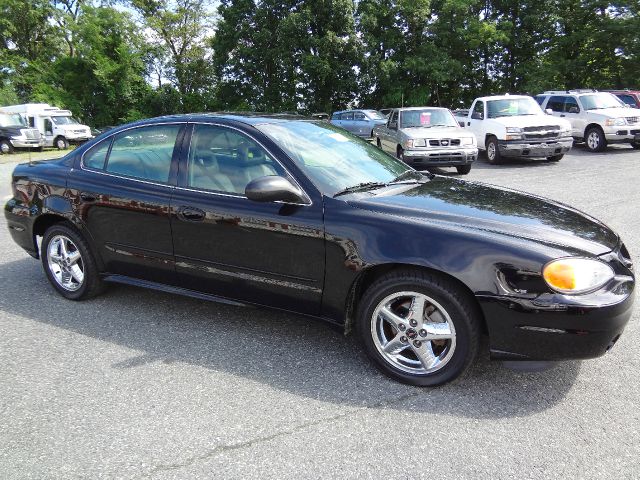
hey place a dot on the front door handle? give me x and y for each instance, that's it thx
(191, 214)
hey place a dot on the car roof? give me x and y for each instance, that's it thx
(249, 118)
(502, 97)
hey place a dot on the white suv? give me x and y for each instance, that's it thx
(597, 118)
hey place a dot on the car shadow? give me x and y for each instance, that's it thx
(285, 351)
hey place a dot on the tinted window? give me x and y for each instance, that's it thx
(97, 155)
(347, 116)
(394, 116)
(539, 99)
(556, 103)
(479, 108)
(336, 116)
(359, 116)
(225, 160)
(571, 102)
(144, 152)
(628, 99)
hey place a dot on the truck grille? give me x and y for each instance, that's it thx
(445, 142)
(632, 120)
(31, 133)
(541, 132)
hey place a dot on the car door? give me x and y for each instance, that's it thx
(476, 122)
(572, 112)
(336, 119)
(121, 190)
(348, 123)
(230, 246)
(361, 125)
(389, 142)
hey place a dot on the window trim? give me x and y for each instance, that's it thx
(185, 159)
(124, 177)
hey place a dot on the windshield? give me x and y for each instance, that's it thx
(510, 107)
(600, 100)
(64, 120)
(332, 158)
(12, 120)
(427, 117)
(375, 115)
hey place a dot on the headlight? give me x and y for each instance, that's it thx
(576, 275)
(408, 144)
(468, 141)
(419, 142)
(565, 133)
(615, 122)
(514, 130)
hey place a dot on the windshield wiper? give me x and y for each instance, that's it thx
(407, 175)
(360, 187)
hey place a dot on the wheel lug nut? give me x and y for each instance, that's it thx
(401, 327)
(403, 339)
(413, 323)
(417, 344)
(423, 332)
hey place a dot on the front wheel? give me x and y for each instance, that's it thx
(419, 327)
(636, 145)
(555, 158)
(6, 147)
(69, 264)
(463, 169)
(379, 143)
(61, 143)
(400, 153)
(493, 152)
(595, 140)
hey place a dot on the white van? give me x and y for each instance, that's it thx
(57, 127)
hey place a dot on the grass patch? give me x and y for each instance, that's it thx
(21, 156)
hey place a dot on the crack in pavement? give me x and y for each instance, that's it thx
(255, 441)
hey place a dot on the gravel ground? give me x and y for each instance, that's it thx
(140, 384)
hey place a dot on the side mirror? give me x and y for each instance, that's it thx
(548, 111)
(461, 123)
(272, 188)
(574, 110)
(477, 116)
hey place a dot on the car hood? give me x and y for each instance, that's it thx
(616, 112)
(523, 121)
(436, 132)
(494, 209)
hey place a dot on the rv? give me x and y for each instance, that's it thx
(57, 127)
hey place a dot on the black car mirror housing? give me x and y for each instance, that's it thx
(273, 188)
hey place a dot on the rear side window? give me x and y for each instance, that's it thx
(627, 99)
(571, 103)
(539, 99)
(359, 116)
(96, 157)
(347, 116)
(144, 152)
(556, 103)
(336, 116)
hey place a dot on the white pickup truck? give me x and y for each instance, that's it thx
(515, 126)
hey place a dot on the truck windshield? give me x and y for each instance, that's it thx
(375, 115)
(427, 117)
(64, 120)
(599, 101)
(12, 120)
(511, 107)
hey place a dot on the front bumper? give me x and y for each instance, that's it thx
(623, 134)
(557, 327)
(537, 148)
(442, 157)
(27, 142)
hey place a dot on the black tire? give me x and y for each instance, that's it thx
(400, 153)
(459, 306)
(463, 169)
(555, 158)
(379, 143)
(61, 143)
(636, 145)
(92, 284)
(493, 151)
(6, 147)
(595, 140)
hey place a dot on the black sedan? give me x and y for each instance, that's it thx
(298, 215)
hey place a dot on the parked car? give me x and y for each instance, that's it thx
(508, 126)
(295, 215)
(321, 116)
(597, 118)
(358, 122)
(427, 137)
(15, 133)
(631, 98)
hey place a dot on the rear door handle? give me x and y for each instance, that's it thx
(562, 115)
(87, 197)
(191, 214)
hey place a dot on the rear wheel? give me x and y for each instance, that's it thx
(463, 169)
(6, 147)
(418, 327)
(595, 140)
(555, 158)
(69, 264)
(493, 151)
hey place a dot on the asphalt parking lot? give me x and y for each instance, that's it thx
(140, 384)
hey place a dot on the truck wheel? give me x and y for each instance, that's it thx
(493, 152)
(378, 143)
(400, 153)
(595, 140)
(636, 145)
(463, 169)
(61, 143)
(5, 147)
(555, 158)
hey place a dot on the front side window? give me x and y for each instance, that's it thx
(571, 105)
(144, 153)
(225, 160)
(347, 116)
(331, 159)
(479, 109)
(556, 103)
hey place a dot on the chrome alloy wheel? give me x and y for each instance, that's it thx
(413, 333)
(5, 147)
(491, 151)
(65, 263)
(593, 140)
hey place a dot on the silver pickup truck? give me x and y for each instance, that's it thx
(427, 137)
